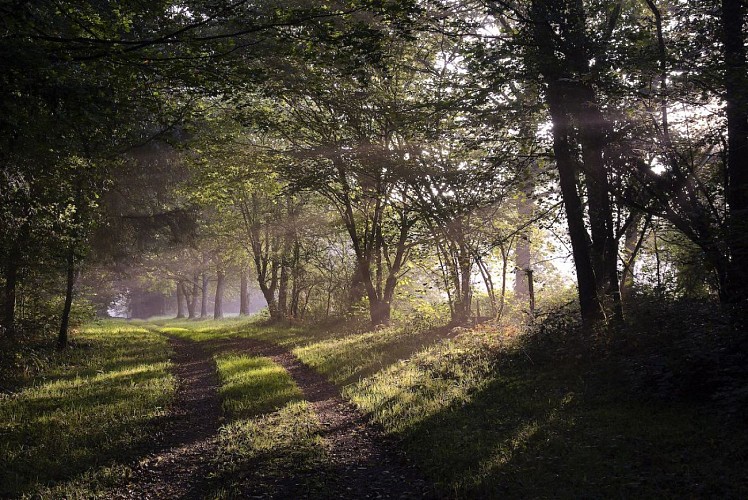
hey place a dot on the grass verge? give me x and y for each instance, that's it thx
(64, 433)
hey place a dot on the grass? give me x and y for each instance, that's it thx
(344, 352)
(254, 385)
(87, 410)
(485, 420)
(271, 429)
(484, 415)
(431, 381)
(258, 453)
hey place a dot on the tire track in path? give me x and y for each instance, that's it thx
(363, 462)
(366, 463)
(179, 461)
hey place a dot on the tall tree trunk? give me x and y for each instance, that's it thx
(633, 239)
(220, 285)
(180, 299)
(195, 294)
(357, 290)
(380, 312)
(9, 294)
(296, 279)
(736, 99)
(488, 281)
(283, 290)
(567, 172)
(204, 296)
(571, 100)
(592, 126)
(522, 252)
(244, 293)
(504, 261)
(62, 338)
(189, 299)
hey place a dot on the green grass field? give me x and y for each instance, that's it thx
(480, 415)
(483, 419)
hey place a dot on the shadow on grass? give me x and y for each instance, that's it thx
(346, 359)
(93, 407)
(538, 432)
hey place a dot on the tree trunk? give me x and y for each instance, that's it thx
(504, 259)
(283, 290)
(531, 288)
(296, 280)
(62, 338)
(592, 126)
(9, 295)
(195, 294)
(244, 294)
(358, 289)
(204, 296)
(380, 312)
(220, 285)
(522, 255)
(632, 244)
(180, 299)
(736, 100)
(567, 172)
(466, 267)
(190, 300)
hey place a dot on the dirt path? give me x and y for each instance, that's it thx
(366, 464)
(180, 460)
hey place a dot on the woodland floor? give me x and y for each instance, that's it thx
(365, 463)
(241, 409)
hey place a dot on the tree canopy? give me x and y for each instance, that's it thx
(344, 155)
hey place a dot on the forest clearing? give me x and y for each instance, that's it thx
(373, 249)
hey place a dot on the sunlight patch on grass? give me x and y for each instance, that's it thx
(351, 356)
(205, 330)
(272, 430)
(431, 381)
(253, 385)
(87, 409)
(259, 451)
(293, 423)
